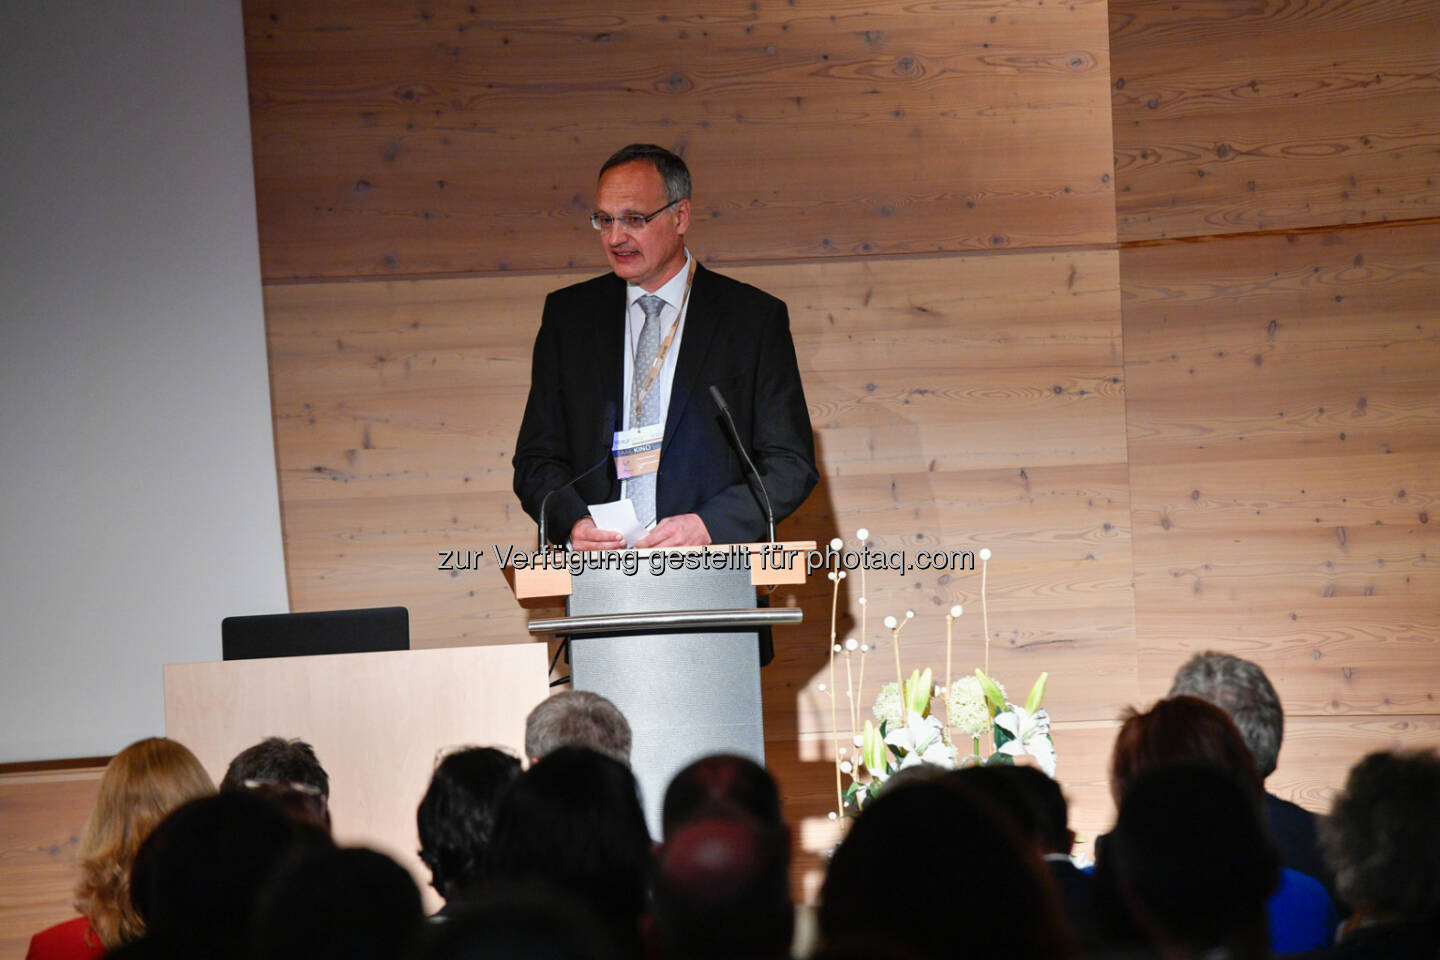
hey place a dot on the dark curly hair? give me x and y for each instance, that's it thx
(986, 860)
(574, 821)
(277, 760)
(457, 816)
(1383, 835)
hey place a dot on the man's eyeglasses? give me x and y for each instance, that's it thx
(634, 222)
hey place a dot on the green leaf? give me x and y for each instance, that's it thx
(1037, 693)
(992, 691)
(998, 759)
(873, 749)
(917, 691)
(1002, 736)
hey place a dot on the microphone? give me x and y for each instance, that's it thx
(608, 425)
(735, 435)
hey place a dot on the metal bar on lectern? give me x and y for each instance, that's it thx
(669, 620)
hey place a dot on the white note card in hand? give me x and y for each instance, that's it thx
(620, 517)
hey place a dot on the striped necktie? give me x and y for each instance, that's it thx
(641, 489)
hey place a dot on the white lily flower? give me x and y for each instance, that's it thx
(1031, 733)
(923, 741)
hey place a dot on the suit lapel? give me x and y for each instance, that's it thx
(702, 322)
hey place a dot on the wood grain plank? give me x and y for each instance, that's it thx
(1343, 657)
(1284, 437)
(386, 140)
(41, 815)
(1233, 116)
(1318, 752)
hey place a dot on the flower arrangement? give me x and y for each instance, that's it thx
(910, 728)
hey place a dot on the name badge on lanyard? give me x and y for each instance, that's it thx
(637, 450)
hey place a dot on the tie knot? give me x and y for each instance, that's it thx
(652, 305)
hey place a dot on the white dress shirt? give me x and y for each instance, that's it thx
(673, 293)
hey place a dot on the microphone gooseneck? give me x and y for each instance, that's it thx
(739, 445)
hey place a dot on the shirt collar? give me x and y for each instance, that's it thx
(673, 291)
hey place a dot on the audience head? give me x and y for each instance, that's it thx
(917, 851)
(577, 718)
(1033, 799)
(917, 773)
(274, 760)
(529, 923)
(1190, 863)
(719, 783)
(722, 889)
(1383, 836)
(1242, 690)
(140, 786)
(342, 904)
(197, 876)
(1180, 730)
(574, 822)
(299, 801)
(456, 817)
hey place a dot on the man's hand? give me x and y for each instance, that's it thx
(586, 536)
(684, 530)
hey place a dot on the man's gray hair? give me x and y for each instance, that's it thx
(1242, 690)
(577, 718)
(670, 167)
(1382, 837)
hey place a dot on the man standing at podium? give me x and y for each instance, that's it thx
(621, 382)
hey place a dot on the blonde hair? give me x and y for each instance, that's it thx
(140, 786)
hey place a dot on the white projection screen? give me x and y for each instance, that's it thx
(137, 466)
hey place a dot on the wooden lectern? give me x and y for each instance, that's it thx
(377, 722)
(671, 637)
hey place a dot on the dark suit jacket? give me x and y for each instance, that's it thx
(737, 338)
(1077, 896)
(1293, 829)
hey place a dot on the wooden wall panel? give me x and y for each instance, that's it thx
(1318, 752)
(1234, 116)
(41, 815)
(1284, 437)
(399, 139)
